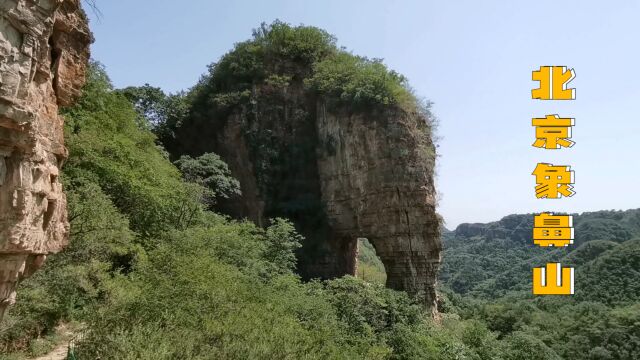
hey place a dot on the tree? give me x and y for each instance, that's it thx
(159, 112)
(282, 242)
(210, 171)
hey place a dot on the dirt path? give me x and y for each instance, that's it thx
(65, 333)
(59, 353)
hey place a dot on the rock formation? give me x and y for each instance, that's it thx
(377, 183)
(44, 49)
(338, 173)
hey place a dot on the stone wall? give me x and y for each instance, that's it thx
(44, 49)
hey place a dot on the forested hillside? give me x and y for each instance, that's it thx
(486, 275)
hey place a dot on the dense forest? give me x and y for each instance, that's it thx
(486, 275)
(155, 271)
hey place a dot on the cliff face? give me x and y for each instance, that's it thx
(44, 49)
(339, 174)
(376, 181)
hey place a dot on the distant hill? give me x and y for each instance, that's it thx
(495, 259)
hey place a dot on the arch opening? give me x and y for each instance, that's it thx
(370, 267)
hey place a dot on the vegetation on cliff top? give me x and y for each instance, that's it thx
(260, 73)
(279, 53)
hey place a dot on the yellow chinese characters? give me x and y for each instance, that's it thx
(553, 230)
(553, 132)
(553, 83)
(553, 182)
(553, 280)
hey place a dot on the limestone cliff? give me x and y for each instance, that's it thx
(377, 182)
(44, 49)
(338, 172)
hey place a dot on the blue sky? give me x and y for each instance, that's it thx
(473, 59)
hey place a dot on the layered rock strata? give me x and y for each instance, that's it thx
(44, 50)
(377, 183)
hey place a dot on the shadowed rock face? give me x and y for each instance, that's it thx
(44, 49)
(338, 175)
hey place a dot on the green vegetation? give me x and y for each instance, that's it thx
(487, 276)
(359, 81)
(154, 273)
(280, 55)
(209, 171)
(370, 268)
(109, 148)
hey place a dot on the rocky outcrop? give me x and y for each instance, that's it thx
(514, 227)
(376, 181)
(44, 49)
(339, 174)
(470, 230)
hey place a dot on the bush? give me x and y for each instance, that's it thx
(72, 282)
(358, 81)
(209, 171)
(108, 147)
(201, 295)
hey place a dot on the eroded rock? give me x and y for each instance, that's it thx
(377, 183)
(44, 49)
(339, 174)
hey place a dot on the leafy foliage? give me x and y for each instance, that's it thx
(281, 57)
(101, 244)
(611, 278)
(211, 172)
(472, 267)
(370, 267)
(490, 264)
(121, 191)
(108, 148)
(160, 112)
(359, 81)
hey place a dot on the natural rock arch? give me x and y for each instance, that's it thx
(370, 172)
(378, 184)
